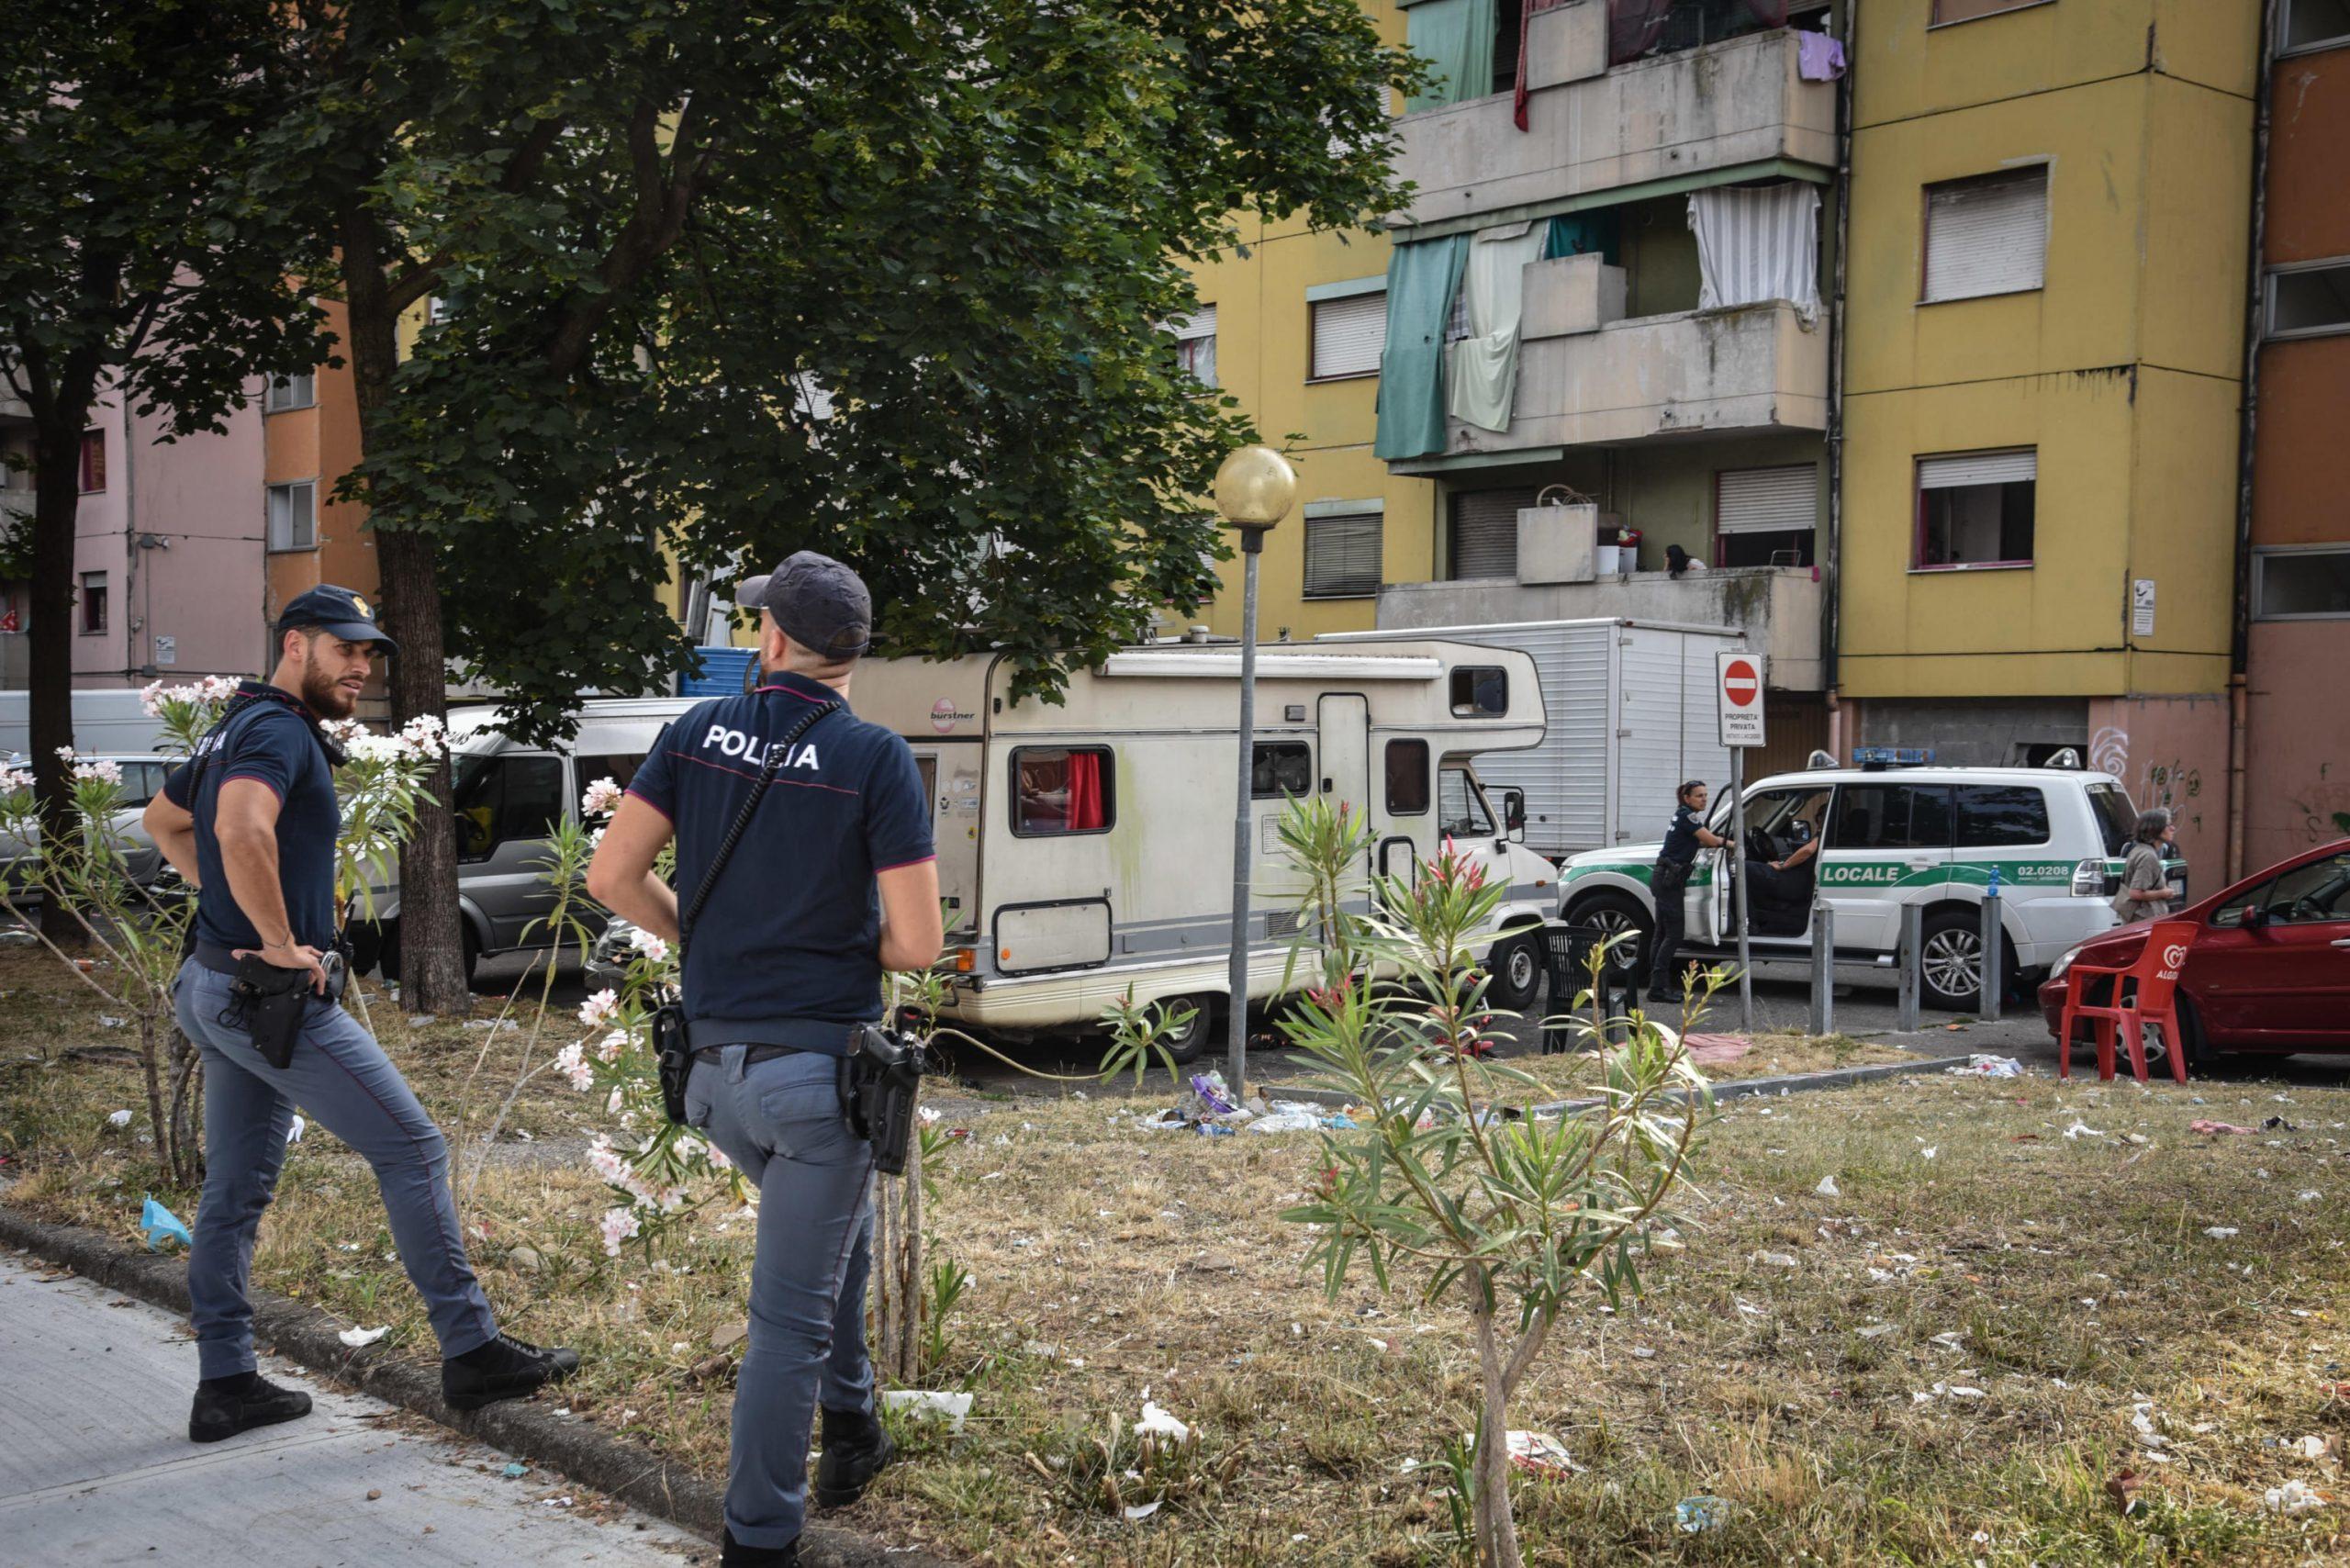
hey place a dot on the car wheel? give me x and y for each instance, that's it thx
(1612, 914)
(1951, 961)
(1515, 964)
(1190, 1043)
(2202, 1057)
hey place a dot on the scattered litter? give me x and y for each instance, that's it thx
(2218, 1232)
(1141, 1511)
(1778, 1259)
(1694, 1516)
(1877, 1330)
(2122, 1487)
(515, 1470)
(1642, 1353)
(2214, 1128)
(112, 1023)
(1213, 1095)
(360, 1339)
(1828, 1188)
(1156, 1423)
(117, 1118)
(295, 1129)
(1929, 1153)
(419, 1020)
(2082, 1129)
(2292, 1498)
(562, 1502)
(2310, 1194)
(2312, 1447)
(1287, 1116)
(948, 1407)
(1541, 1453)
(2278, 1125)
(1981, 1066)
(160, 1225)
(1951, 1340)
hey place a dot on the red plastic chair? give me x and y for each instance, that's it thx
(2152, 1000)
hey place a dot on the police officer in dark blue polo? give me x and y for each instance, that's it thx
(250, 823)
(1669, 883)
(832, 882)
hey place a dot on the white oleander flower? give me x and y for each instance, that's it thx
(571, 1061)
(598, 1009)
(602, 796)
(651, 946)
(617, 1227)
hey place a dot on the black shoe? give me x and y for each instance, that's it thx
(1666, 999)
(856, 1448)
(736, 1555)
(506, 1368)
(229, 1405)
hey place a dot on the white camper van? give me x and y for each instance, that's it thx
(1085, 846)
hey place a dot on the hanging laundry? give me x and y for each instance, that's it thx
(1481, 370)
(1757, 243)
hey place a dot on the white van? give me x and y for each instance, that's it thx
(1929, 836)
(1085, 845)
(508, 796)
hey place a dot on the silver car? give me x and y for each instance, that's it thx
(142, 779)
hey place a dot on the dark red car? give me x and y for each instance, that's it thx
(2268, 968)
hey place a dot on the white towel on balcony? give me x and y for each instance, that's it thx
(1757, 243)
(1481, 370)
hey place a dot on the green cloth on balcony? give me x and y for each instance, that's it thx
(1421, 278)
(1580, 233)
(1457, 37)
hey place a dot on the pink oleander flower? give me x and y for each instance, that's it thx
(617, 1227)
(598, 1009)
(571, 1062)
(606, 1162)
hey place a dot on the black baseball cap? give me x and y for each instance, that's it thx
(820, 603)
(337, 611)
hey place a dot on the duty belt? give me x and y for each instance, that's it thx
(820, 1036)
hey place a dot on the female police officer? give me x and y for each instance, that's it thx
(1669, 882)
(789, 963)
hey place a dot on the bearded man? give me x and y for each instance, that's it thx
(250, 823)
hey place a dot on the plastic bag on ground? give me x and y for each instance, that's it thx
(948, 1407)
(160, 1225)
(1982, 1066)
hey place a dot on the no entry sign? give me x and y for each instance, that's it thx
(1738, 696)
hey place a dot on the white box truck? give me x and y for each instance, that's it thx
(1629, 706)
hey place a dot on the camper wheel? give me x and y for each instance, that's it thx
(1516, 966)
(1190, 1043)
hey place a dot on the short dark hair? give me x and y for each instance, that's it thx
(2151, 824)
(1682, 794)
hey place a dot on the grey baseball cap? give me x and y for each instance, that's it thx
(820, 603)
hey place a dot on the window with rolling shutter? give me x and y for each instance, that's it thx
(1342, 559)
(1975, 509)
(1764, 517)
(1485, 533)
(1348, 335)
(1987, 235)
(1195, 345)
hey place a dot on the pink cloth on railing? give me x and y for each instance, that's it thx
(1819, 58)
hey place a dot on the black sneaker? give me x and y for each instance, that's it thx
(506, 1368)
(735, 1554)
(856, 1448)
(230, 1405)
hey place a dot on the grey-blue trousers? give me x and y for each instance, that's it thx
(781, 1121)
(342, 1079)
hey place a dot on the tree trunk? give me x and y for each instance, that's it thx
(433, 963)
(1496, 1527)
(57, 499)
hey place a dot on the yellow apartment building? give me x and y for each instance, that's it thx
(2042, 359)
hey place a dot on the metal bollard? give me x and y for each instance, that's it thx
(1904, 1007)
(1993, 972)
(1823, 968)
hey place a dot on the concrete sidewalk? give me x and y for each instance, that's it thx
(96, 1467)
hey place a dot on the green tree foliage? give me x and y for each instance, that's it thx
(141, 263)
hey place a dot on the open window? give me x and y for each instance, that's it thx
(502, 798)
(1480, 691)
(1063, 789)
(1975, 509)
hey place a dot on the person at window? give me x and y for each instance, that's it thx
(1668, 880)
(2146, 893)
(1680, 563)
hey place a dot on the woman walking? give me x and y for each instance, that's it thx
(2146, 893)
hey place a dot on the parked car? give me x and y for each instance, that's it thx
(1930, 837)
(508, 798)
(2268, 970)
(142, 776)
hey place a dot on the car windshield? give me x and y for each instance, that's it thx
(2116, 817)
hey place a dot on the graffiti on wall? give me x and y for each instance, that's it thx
(2325, 808)
(2175, 786)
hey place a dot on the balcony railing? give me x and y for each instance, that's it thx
(1740, 102)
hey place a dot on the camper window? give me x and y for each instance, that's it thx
(1480, 690)
(1407, 778)
(1459, 808)
(1281, 769)
(1061, 789)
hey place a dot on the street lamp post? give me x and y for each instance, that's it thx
(1254, 490)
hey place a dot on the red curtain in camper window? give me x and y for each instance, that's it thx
(1085, 792)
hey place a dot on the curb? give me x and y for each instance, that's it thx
(1785, 1083)
(576, 1450)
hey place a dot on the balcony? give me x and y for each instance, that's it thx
(1778, 607)
(1741, 104)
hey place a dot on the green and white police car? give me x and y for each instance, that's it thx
(1929, 836)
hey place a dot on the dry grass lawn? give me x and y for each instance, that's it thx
(1939, 1365)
